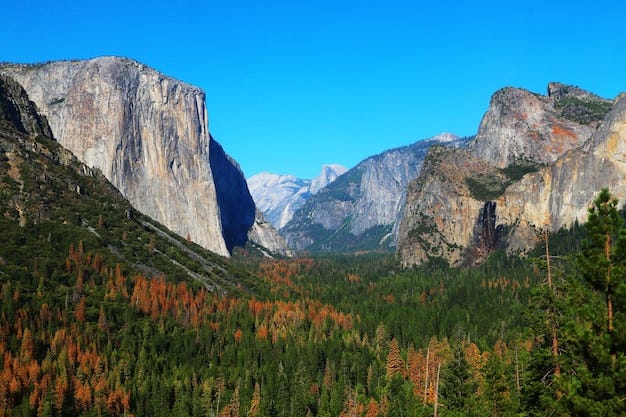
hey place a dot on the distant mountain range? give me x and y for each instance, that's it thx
(534, 166)
(279, 196)
(358, 211)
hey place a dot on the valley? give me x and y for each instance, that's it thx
(454, 276)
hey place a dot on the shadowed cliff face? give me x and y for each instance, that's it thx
(486, 235)
(237, 209)
(17, 110)
(146, 132)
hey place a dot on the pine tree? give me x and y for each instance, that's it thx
(458, 387)
(395, 363)
(588, 308)
(604, 252)
(597, 376)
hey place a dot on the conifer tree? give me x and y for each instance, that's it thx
(604, 253)
(458, 388)
(597, 371)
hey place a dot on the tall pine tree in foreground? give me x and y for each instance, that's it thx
(591, 361)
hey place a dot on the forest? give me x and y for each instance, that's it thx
(83, 333)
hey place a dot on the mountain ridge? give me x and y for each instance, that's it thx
(279, 196)
(358, 210)
(469, 216)
(148, 134)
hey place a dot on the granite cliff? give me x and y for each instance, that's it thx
(533, 165)
(359, 209)
(148, 134)
(51, 202)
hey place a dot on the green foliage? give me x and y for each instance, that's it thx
(459, 388)
(342, 240)
(585, 312)
(486, 187)
(583, 110)
(489, 186)
(518, 169)
(105, 312)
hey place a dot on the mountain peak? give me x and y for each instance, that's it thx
(559, 90)
(328, 174)
(523, 126)
(279, 196)
(445, 137)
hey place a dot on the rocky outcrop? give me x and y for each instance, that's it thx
(441, 214)
(18, 111)
(279, 196)
(146, 132)
(522, 126)
(358, 211)
(511, 185)
(562, 192)
(264, 234)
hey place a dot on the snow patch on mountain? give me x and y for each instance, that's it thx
(279, 196)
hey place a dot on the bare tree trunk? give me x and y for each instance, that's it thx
(517, 382)
(426, 377)
(437, 390)
(555, 341)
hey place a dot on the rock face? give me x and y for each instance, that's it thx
(563, 191)
(237, 209)
(18, 111)
(358, 210)
(520, 125)
(279, 196)
(265, 234)
(534, 165)
(148, 134)
(441, 215)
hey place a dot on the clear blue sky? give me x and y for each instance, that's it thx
(292, 85)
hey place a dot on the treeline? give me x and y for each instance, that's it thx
(116, 345)
(349, 336)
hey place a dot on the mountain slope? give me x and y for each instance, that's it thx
(148, 134)
(465, 205)
(359, 209)
(279, 196)
(50, 201)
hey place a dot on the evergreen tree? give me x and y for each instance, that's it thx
(458, 387)
(597, 379)
(587, 308)
(604, 254)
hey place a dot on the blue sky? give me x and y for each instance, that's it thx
(292, 85)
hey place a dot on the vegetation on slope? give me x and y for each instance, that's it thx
(106, 313)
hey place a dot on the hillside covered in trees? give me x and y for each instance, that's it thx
(104, 312)
(83, 334)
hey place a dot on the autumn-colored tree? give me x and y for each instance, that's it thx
(232, 409)
(395, 363)
(372, 408)
(80, 311)
(255, 404)
(238, 335)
